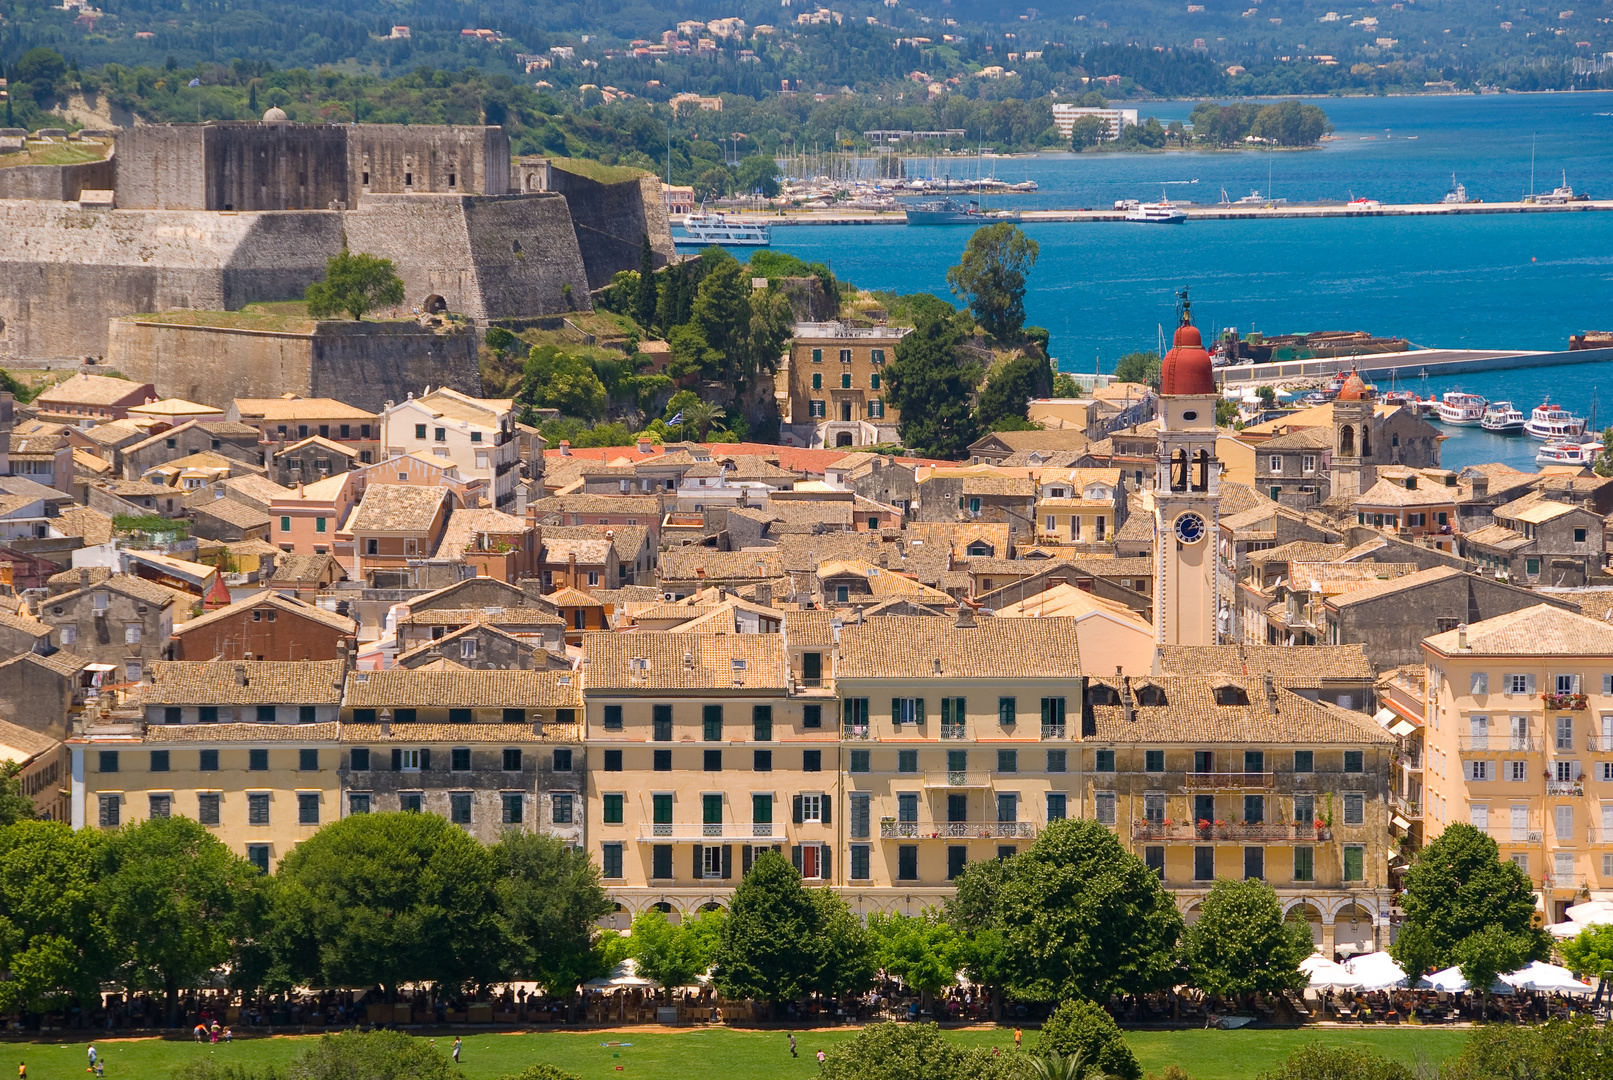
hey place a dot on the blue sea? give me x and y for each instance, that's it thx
(1503, 281)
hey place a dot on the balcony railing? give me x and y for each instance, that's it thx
(1187, 831)
(695, 833)
(1562, 882)
(957, 778)
(1411, 762)
(1478, 744)
(854, 731)
(957, 830)
(1565, 787)
(953, 731)
(1225, 780)
(1600, 744)
(1053, 731)
(1407, 808)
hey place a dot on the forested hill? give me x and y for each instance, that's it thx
(1182, 47)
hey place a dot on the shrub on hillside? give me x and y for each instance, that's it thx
(1314, 1061)
(1081, 1027)
(912, 1052)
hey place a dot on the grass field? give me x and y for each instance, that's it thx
(729, 1055)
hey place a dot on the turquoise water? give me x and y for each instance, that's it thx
(1510, 281)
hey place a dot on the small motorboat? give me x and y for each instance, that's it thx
(1568, 453)
(1502, 418)
(1459, 409)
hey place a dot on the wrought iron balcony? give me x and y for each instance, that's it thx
(957, 830)
(854, 731)
(957, 778)
(953, 731)
(1202, 833)
(1054, 731)
(1227, 780)
(1479, 744)
(697, 833)
(1407, 808)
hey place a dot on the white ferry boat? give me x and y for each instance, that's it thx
(1559, 195)
(1163, 212)
(1502, 418)
(1459, 409)
(713, 227)
(1568, 453)
(1550, 422)
(1457, 195)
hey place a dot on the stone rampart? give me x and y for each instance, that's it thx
(55, 183)
(428, 158)
(612, 220)
(364, 364)
(241, 167)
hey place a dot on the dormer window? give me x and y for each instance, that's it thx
(1230, 694)
(1151, 696)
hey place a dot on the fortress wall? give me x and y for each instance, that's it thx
(66, 271)
(399, 159)
(275, 166)
(464, 249)
(55, 183)
(161, 167)
(612, 220)
(364, 364)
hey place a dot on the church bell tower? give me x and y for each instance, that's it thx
(1185, 494)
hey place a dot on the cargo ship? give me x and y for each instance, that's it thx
(955, 212)
(1591, 339)
(1256, 348)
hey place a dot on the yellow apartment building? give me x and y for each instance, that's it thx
(704, 750)
(961, 740)
(831, 390)
(1518, 741)
(1208, 777)
(247, 748)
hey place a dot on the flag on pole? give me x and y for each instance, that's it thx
(676, 420)
(195, 82)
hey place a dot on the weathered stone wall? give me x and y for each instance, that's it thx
(488, 257)
(161, 167)
(65, 271)
(56, 183)
(443, 159)
(239, 167)
(612, 220)
(364, 364)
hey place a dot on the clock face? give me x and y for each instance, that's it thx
(1189, 528)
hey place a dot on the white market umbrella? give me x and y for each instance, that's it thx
(1566, 931)
(1324, 974)
(1452, 981)
(1591, 913)
(1377, 971)
(1546, 979)
(624, 976)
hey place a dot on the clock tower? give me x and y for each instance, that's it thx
(1185, 495)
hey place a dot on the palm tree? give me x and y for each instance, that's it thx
(1057, 1066)
(703, 415)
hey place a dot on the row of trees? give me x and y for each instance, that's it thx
(1286, 123)
(370, 901)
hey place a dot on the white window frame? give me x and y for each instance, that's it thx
(812, 808)
(409, 761)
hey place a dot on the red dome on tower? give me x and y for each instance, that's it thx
(1353, 389)
(1186, 368)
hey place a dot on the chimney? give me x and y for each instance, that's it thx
(240, 674)
(764, 594)
(565, 447)
(83, 577)
(344, 653)
(1481, 487)
(966, 617)
(571, 569)
(645, 446)
(1461, 637)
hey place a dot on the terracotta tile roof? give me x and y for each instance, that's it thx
(321, 443)
(114, 431)
(1308, 438)
(465, 525)
(463, 689)
(268, 682)
(255, 489)
(588, 551)
(472, 628)
(288, 604)
(1192, 715)
(1401, 584)
(89, 463)
(883, 584)
(517, 598)
(909, 647)
(279, 408)
(70, 576)
(247, 733)
(127, 584)
(1546, 510)
(653, 660)
(1299, 551)
(1496, 536)
(61, 662)
(1049, 439)
(1388, 493)
(291, 568)
(1334, 578)
(1296, 661)
(24, 624)
(396, 508)
(234, 513)
(1008, 486)
(492, 616)
(1543, 630)
(646, 508)
(27, 742)
(569, 597)
(696, 563)
(809, 628)
(628, 539)
(87, 389)
(462, 733)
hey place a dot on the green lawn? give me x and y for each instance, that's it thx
(731, 1055)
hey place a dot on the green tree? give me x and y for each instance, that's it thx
(1604, 459)
(1065, 386)
(1056, 1066)
(1456, 887)
(702, 415)
(1291, 123)
(1082, 1028)
(552, 379)
(357, 1055)
(1007, 393)
(1087, 131)
(54, 941)
(211, 1068)
(40, 69)
(930, 382)
(668, 955)
(973, 910)
(1083, 917)
(178, 903)
(991, 277)
(1318, 1061)
(1591, 953)
(714, 183)
(924, 951)
(14, 805)
(767, 949)
(1242, 945)
(549, 897)
(759, 174)
(384, 899)
(543, 1071)
(1554, 1050)
(845, 952)
(1138, 367)
(912, 1052)
(356, 284)
(644, 301)
(1488, 952)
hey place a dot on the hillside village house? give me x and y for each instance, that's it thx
(122, 621)
(476, 434)
(831, 388)
(87, 399)
(290, 420)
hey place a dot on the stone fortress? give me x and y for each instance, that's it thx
(216, 216)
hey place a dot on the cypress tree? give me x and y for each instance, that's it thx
(644, 305)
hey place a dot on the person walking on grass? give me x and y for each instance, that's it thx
(100, 1067)
(22, 1070)
(792, 1045)
(820, 1059)
(1016, 1038)
(456, 1050)
(91, 1067)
